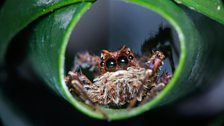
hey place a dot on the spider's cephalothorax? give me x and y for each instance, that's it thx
(117, 60)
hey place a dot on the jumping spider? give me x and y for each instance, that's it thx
(120, 78)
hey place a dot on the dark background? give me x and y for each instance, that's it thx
(26, 101)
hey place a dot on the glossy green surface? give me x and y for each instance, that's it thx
(212, 8)
(16, 15)
(48, 44)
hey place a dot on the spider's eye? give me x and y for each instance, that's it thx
(131, 57)
(111, 63)
(102, 64)
(122, 60)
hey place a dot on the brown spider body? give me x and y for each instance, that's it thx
(121, 79)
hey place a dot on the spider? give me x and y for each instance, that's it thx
(121, 78)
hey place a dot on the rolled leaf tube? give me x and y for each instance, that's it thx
(51, 34)
(48, 51)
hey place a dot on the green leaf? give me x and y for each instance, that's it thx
(51, 34)
(16, 15)
(212, 8)
(50, 37)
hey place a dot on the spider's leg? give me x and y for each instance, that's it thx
(164, 78)
(168, 53)
(154, 90)
(153, 67)
(87, 61)
(157, 87)
(76, 82)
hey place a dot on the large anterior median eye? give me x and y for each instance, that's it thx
(122, 61)
(111, 63)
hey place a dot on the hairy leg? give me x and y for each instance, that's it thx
(76, 82)
(152, 66)
(156, 88)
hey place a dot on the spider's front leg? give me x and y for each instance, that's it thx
(162, 41)
(76, 82)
